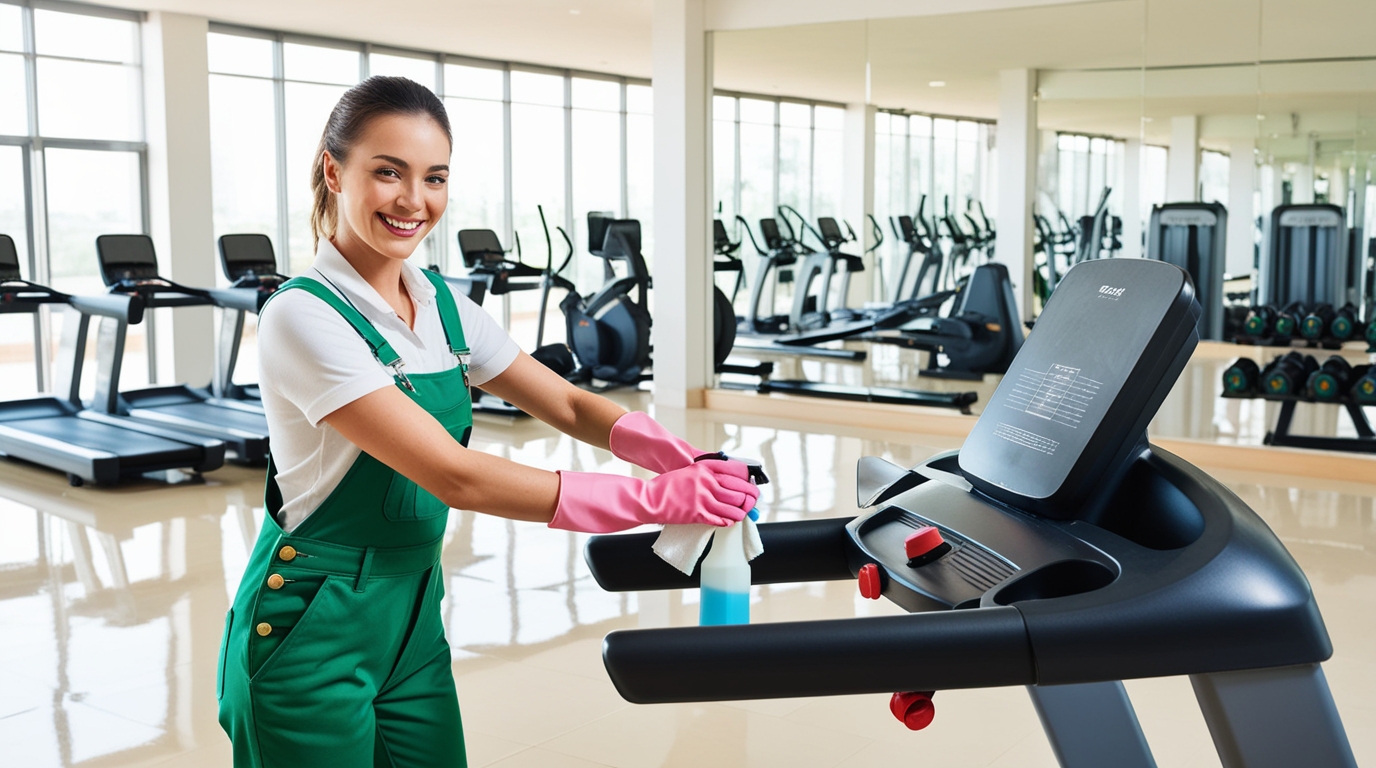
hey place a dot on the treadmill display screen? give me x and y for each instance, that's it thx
(1082, 380)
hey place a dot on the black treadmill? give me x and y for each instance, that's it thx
(129, 267)
(55, 431)
(250, 265)
(1056, 550)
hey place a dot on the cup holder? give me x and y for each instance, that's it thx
(1059, 579)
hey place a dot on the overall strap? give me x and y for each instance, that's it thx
(378, 345)
(449, 319)
(449, 313)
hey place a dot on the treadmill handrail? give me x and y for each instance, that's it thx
(919, 651)
(124, 307)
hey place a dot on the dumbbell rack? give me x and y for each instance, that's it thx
(1295, 342)
(1364, 442)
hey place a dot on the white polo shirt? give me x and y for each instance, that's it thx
(311, 363)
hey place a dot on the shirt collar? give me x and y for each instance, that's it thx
(332, 264)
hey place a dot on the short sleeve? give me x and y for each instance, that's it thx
(491, 347)
(310, 355)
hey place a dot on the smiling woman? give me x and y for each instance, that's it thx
(334, 651)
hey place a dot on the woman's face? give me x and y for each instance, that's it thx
(394, 186)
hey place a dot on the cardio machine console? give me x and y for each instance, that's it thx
(986, 526)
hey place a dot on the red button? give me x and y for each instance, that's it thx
(914, 708)
(871, 584)
(922, 541)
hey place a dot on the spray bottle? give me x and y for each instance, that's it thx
(724, 575)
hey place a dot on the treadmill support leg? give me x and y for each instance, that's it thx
(1273, 717)
(1091, 725)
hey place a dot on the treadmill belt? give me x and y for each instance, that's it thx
(187, 415)
(133, 448)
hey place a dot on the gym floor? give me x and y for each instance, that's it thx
(112, 605)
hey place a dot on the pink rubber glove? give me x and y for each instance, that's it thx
(709, 492)
(644, 442)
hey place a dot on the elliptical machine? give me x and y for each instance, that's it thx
(608, 333)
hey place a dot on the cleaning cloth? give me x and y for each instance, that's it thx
(682, 545)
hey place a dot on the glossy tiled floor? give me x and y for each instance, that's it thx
(111, 607)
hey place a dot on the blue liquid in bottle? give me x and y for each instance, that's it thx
(725, 579)
(720, 607)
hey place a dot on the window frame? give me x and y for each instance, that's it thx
(34, 143)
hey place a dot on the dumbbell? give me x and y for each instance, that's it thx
(1316, 322)
(1288, 320)
(1344, 323)
(1259, 320)
(1287, 375)
(1242, 377)
(1371, 333)
(1364, 391)
(1331, 380)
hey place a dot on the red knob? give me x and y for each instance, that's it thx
(914, 708)
(924, 545)
(871, 581)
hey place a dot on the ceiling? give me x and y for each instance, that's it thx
(1120, 68)
(1091, 53)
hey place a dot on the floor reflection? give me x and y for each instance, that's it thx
(112, 605)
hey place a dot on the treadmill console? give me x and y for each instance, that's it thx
(480, 248)
(9, 259)
(249, 261)
(1072, 412)
(128, 259)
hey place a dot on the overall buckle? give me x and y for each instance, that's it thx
(465, 357)
(400, 375)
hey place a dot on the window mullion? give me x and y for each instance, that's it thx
(279, 108)
(625, 154)
(507, 181)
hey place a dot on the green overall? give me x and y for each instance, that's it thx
(334, 653)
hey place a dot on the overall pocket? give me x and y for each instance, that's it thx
(407, 501)
(281, 615)
(224, 655)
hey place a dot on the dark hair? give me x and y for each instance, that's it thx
(375, 97)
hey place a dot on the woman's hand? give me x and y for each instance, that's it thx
(709, 492)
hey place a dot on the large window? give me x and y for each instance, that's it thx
(1085, 166)
(769, 153)
(946, 161)
(72, 164)
(524, 139)
(1213, 177)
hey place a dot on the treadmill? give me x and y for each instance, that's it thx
(250, 265)
(129, 267)
(55, 431)
(1057, 550)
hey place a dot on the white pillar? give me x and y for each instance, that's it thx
(1132, 198)
(1302, 186)
(1242, 182)
(177, 118)
(857, 193)
(1182, 167)
(1359, 183)
(1017, 138)
(682, 78)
